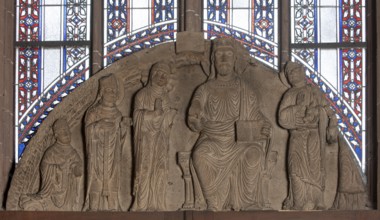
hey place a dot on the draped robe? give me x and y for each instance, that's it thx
(151, 141)
(228, 172)
(104, 148)
(306, 147)
(59, 190)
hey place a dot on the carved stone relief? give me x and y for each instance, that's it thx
(61, 171)
(312, 126)
(189, 127)
(153, 120)
(105, 130)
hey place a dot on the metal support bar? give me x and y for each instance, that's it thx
(329, 45)
(52, 43)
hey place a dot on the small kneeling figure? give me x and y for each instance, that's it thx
(61, 169)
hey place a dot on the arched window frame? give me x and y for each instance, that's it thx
(7, 20)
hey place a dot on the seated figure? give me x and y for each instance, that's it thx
(229, 155)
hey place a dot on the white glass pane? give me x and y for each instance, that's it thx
(292, 26)
(364, 73)
(140, 18)
(328, 3)
(17, 22)
(89, 22)
(51, 66)
(52, 2)
(217, 16)
(205, 5)
(105, 27)
(364, 149)
(364, 23)
(275, 3)
(329, 66)
(328, 28)
(140, 3)
(275, 19)
(241, 18)
(241, 3)
(52, 23)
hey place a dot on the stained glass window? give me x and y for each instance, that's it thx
(52, 59)
(328, 37)
(132, 25)
(53, 47)
(252, 22)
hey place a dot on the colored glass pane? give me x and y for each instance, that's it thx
(58, 20)
(337, 68)
(132, 25)
(43, 81)
(45, 75)
(252, 22)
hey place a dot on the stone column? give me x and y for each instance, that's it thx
(97, 36)
(284, 25)
(193, 15)
(7, 78)
(376, 74)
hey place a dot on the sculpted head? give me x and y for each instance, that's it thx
(224, 56)
(159, 74)
(108, 89)
(295, 73)
(62, 131)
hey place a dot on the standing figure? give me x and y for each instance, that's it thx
(105, 130)
(61, 170)
(311, 122)
(227, 158)
(153, 119)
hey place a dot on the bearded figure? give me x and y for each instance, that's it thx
(228, 156)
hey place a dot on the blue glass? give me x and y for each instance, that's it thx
(253, 22)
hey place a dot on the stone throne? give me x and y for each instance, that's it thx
(190, 67)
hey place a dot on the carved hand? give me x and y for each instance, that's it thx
(158, 111)
(196, 122)
(300, 110)
(106, 123)
(77, 169)
(311, 115)
(172, 112)
(126, 121)
(266, 130)
(299, 113)
(332, 134)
